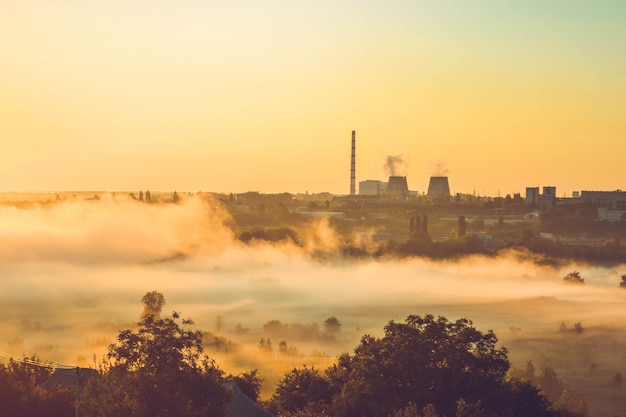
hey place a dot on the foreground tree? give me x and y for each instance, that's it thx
(301, 389)
(157, 370)
(249, 383)
(425, 360)
(425, 366)
(21, 393)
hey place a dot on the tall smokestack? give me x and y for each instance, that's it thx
(353, 165)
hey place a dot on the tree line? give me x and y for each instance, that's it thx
(424, 366)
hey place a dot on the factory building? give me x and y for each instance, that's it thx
(372, 187)
(547, 199)
(532, 195)
(609, 199)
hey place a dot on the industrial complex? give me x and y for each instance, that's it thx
(396, 187)
(607, 205)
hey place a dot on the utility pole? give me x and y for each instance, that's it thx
(77, 380)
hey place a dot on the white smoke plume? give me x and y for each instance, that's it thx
(438, 169)
(395, 165)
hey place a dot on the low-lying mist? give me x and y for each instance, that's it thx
(73, 273)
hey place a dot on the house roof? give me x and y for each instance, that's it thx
(240, 405)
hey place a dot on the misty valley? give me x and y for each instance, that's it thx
(282, 289)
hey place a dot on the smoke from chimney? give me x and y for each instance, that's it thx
(395, 165)
(439, 169)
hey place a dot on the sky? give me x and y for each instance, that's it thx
(262, 96)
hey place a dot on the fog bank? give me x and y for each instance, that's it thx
(73, 273)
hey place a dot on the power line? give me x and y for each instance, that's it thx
(48, 365)
(35, 362)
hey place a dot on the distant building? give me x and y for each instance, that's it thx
(545, 200)
(549, 190)
(609, 199)
(609, 215)
(548, 198)
(337, 214)
(532, 195)
(372, 187)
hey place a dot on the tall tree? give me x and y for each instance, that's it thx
(573, 278)
(425, 366)
(332, 325)
(462, 226)
(153, 303)
(157, 370)
(301, 389)
(425, 361)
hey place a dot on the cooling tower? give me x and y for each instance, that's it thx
(439, 187)
(397, 187)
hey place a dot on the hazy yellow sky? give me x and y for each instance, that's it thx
(248, 95)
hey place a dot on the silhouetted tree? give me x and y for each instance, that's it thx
(300, 389)
(332, 325)
(433, 365)
(573, 278)
(249, 383)
(578, 327)
(617, 379)
(270, 235)
(219, 323)
(21, 393)
(148, 197)
(175, 197)
(140, 196)
(462, 226)
(528, 401)
(408, 411)
(153, 303)
(426, 361)
(157, 370)
(265, 345)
